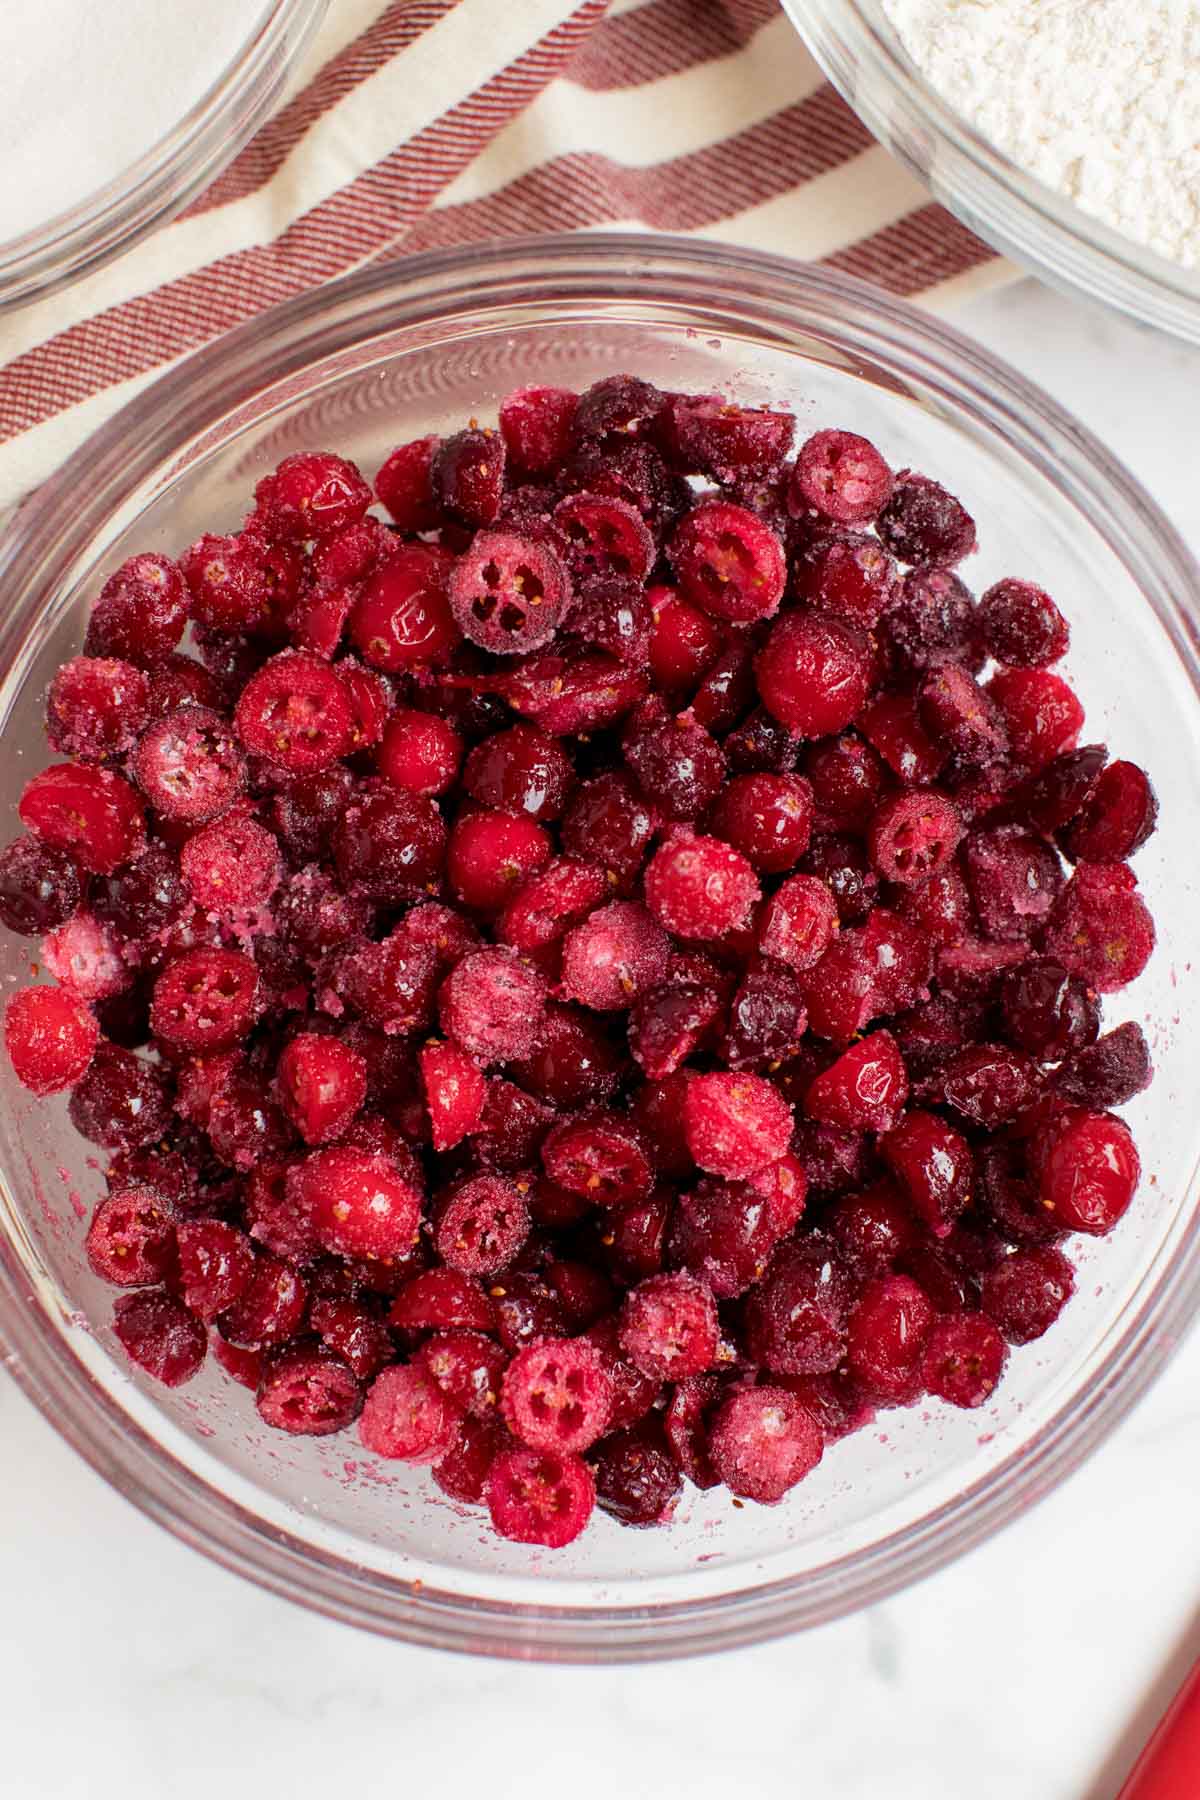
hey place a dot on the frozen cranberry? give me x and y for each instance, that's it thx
(637, 1481)
(520, 769)
(813, 674)
(39, 886)
(467, 474)
(933, 1164)
(580, 694)
(1087, 1169)
(480, 1225)
(767, 1018)
(390, 984)
(940, 908)
(536, 424)
(767, 817)
(760, 744)
(845, 777)
(96, 707)
(557, 1396)
(669, 1327)
(216, 1262)
(403, 485)
(232, 865)
(853, 578)
(243, 1366)
(205, 1000)
(160, 1335)
(454, 1093)
(322, 1085)
(676, 763)
(668, 1023)
(140, 613)
(686, 1424)
(913, 837)
(1108, 1072)
(923, 523)
(729, 563)
(798, 922)
(727, 691)
(51, 1037)
(91, 814)
(1040, 712)
(964, 1359)
(933, 622)
(864, 1090)
(1025, 1292)
(537, 1497)
(492, 1005)
(1101, 929)
(296, 711)
(189, 766)
(839, 989)
(736, 1124)
(892, 725)
(442, 1300)
(796, 1317)
(608, 823)
(684, 640)
(528, 1309)
(840, 476)
(312, 494)
(599, 1155)
(618, 952)
(462, 1470)
(887, 1332)
(182, 681)
(402, 619)
(1118, 816)
(508, 593)
(836, 1401)
(700, 888)
(121, 1101)
(389, 845)
(1047, 1012)
(550, 903)
(448, 933)
(1007, 1195)
(358, 1203)
(603, 536)
(406, 1416)
(269, 1308)
(512, 1127)
(309, 1391)
(131, 1240)
(989, 1084)
(873, 1229)
(1058, 793)
(1014, 880)
(708, 435)
(1021, 625)
(763, 1442)
(491, 854)
(961, 717)
(467, 1367)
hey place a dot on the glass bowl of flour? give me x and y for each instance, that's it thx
(1064, 132)
(115, 114)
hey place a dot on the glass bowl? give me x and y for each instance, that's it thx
(159, 184)
(860, 52)
(420, 345)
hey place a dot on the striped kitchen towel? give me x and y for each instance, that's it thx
(425, 123)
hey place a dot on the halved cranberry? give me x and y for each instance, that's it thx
(961, 717)
(989, 1084)
(892, 726)
(96, 707)
(1117, 817)
(492, 1005)
(205, 1000)
(466, 1366)
(676, 762)
(618, 952)
(708, 435)
(269, 1308)
(841, 476)
(189, 765)
(637, 1482)
(933, 1164)
(121, 1102)
(402, 619)
(964, 1359)
(1048, 1012)
(767, 1018)
(508, 593)
(1101, 929)
(1087, 1169)
(934, 622)
(442, 1300)
(873, 1229)
(307, 1390)
(813, 674)
(322, 1085)
(669, 1327)
(403, 485)
(232, 865)
(92, 814)
(864, 1090)
(1108, 1072)
(767, 817)
(537, 1497)
(729, 563)
(913, 837)
(798, 922)
(1057, 793)
(467, 474)
(600, 1156)
(39, 886)
(536, 424)
(557, 1396)
(1014, 879)
(922, 523)
(216, 1262)
(131, 1240)
(762, 1442)
(295, 711)
(358, 1204)
(490, 854)
(454, 1093)
(159, 1334)
(576, 695)
(480, 1225)
(406, 1416)
(312, 494)
(796, 1316)
(389, 845)
(684, 640)
(839, 989)
(550, 903)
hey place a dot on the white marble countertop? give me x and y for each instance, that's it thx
(131, 1668)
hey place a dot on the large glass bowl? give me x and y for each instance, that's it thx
(416, 346)
(170, 173)
(860, 52)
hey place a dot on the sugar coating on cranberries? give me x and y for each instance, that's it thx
(596, 981)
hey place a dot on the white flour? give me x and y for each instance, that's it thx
(1099, 98)
(88, 86)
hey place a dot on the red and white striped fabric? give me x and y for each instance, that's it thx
(425, 123)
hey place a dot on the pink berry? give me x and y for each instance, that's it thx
(454, 1093)
(763, 1442)
(84, 956)
(508, 593)
(736, 1124)
(557, 1397)
(537, 1497)
(841, 476)
(50, 1037)
(406, 1416)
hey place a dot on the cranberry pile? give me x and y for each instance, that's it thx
(584, 976)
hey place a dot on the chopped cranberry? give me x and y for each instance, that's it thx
(536, 1497)
(964, 1359)
(864, 1090)
(232, 865)
(480, 1225)
(216, 1262)
(1047, 1012)
(845, 778)
(391, 984)
(140, 613)
(675, 761)
(160, 1335)
(467, 474)
(492, 1005)
(798, 922)
(121, 1102)
(403, 485)
(389, 845)
(205, 1000)
(1014, 879)
(760, 744)
(989, 1084)
(796, 1316)
(528, 1310)
(51, 1038)
(766, 817)
(1087, 1169)
(442, 1300)
(850, 577)
(767, 1018)
(727, 691)
(669, 1327)
(243, 1366)
(131, 1240)
(1058, 793)
(1022, 626)
(508, 593)
(406, 1416)
(839, 989)
(454, 1093)
(322, 1085)
(708, 435)
(813, 674)
(402, 619)
(575, 1062)
(189, 766)
(700, 888)
(537, 424)
(736, 1124)
(582, 694)
(684, 641)
(1040, 712)
(840, 476)
(512, 1127)
(1117, 817)
(668, 1023)
(352, 1333)
(901, 960)
(269, 1308)
(520, 769)
(873, 1229)
(308, 1391)
(462, 1471)
(95, 708)
(550, 903)
(1108, 1072)
(940, 908)
(600, 1156)
(729, 563)
(617, 953)
(491, 854)
(933, 1164)
(468, 1367)
(312, 494)
(892, 725)
(887, 1332)
(762, 1442)
(1101, 929)
(608, 823)
(637, 1481)
(557, 1397)
(1025, 1293)
(358, 1203)
(960, 716)
(913, 837)
(923, 523)
(296, 711)
(92, 814)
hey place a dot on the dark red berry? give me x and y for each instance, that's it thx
(813, 674)
(1025, 1292)
(466, 474)
(159, 1334)
(536, 1497)
(1022, 626)
(964, 1359)
(1117, 817)
(887, 1332)
(1087, 1169)
(140, 613)
(402, 618)
(923, 523)
(307, 1390)
(932, 1162)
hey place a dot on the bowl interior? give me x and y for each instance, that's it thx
(386, 1524)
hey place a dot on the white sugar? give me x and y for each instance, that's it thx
(88, 86)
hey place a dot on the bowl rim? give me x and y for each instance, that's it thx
(115, 216)
(861, 53)
(62, 518)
